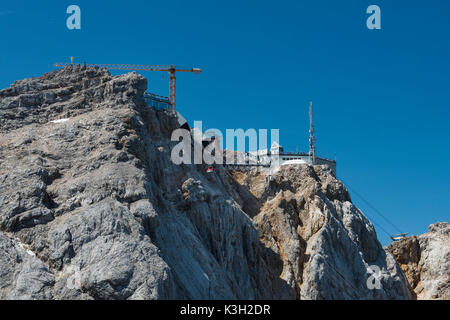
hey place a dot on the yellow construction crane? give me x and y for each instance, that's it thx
(171, 69)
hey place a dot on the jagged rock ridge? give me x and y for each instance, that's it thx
(425, 260)
(327, 245)
(92, 208)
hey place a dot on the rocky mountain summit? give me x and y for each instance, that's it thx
(425, 260)
(91, 207)
(326, 243)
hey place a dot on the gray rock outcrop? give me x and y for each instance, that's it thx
(328, 247)
(91, 207)
(425, 260)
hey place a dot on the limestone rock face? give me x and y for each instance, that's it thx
(328, 247)
(88, 187)
(92, 207)
(23, 276)
(425, 260)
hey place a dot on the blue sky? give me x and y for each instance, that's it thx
(381, 97)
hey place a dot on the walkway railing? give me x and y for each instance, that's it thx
(157, 102)
(242, 166)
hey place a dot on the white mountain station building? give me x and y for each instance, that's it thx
(276, 156)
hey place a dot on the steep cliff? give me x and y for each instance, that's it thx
(91, 207)
(425, 260)
(328, 247)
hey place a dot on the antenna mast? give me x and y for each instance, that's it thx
(312, 147)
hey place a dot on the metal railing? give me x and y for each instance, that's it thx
(157, 102)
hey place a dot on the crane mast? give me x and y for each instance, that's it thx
(172, 88)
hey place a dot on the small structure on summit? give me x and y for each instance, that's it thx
(276, 156)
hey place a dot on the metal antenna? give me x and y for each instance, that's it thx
(312, 147)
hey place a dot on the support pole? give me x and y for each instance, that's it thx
(312, 147)
(172, 88)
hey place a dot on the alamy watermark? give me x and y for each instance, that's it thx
(374, 20)
(198, 147)
(74, 20)
(374, 280)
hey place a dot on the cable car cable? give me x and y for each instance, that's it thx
(372, 207)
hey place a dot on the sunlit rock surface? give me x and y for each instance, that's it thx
(91, 207)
